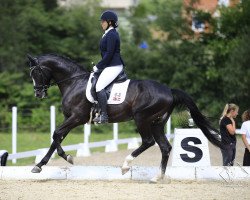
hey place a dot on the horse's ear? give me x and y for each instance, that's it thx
(33, 61)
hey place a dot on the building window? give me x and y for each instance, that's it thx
(197, 25)
(224, 2)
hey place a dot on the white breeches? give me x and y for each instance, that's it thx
(107, 76)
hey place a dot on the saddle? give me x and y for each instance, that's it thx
(122, 77)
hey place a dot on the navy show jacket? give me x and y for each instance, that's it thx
(110, 50)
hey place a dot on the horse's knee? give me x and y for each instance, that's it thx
(55, 136)
(166, 151)
(149, 142)
(152, 143)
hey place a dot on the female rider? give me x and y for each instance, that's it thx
(111, 64)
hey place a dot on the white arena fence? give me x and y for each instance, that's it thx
(139, 173)
(83, 149)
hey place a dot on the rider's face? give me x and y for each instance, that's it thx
(104, 25)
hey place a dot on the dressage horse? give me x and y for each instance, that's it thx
(147, 102)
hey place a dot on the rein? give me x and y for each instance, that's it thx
(45, 86)
(58, 82)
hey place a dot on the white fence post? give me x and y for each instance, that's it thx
(84, 150)
(112, 144)
(169, 127)
(115, 131)
(52, 122)
(14, 131)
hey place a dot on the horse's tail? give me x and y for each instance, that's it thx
(182, 98)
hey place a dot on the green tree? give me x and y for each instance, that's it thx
(210, 67)
(237, 67)
(40, 27)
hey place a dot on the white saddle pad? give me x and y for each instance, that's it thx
(117, 95)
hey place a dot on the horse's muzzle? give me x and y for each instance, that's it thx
(41, 94)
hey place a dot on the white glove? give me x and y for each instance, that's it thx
(95, 69)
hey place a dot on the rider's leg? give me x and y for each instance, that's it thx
(102, 100)
(105, 78)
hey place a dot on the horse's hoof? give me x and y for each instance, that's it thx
(125, 170)
(70, 159)
(36, 169)
(153, 180)
(157, 179)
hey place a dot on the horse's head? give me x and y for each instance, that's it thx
(40, 76)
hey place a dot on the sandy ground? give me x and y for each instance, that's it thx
(116, 190)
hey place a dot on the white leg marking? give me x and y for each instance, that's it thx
(158, 177)
(125, 166)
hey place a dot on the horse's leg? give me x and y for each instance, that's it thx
(147, 141)
(58, 136)
(165, 147)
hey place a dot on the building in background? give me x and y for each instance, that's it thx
(111, 4)
(206, 6)
(121, 7)
(197, 24)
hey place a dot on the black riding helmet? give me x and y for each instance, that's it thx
(108, 16)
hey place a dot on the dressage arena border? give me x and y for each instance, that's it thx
(139, 173)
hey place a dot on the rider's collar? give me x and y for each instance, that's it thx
(110, 28)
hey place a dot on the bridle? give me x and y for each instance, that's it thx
(44, 87)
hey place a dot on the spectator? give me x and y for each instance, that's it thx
(3, 157)
(245, 131)
(227, 131)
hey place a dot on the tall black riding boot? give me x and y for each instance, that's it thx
(102, 100)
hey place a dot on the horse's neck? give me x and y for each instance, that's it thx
(63, 72)
(62, 69)
(67, 78)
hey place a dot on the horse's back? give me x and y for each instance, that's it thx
(148, 86)
(149, 92)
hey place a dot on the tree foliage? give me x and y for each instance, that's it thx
(212, 67)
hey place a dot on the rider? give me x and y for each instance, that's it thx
(111, 64)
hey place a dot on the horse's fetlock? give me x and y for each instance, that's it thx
(44, 161)
(61, 153)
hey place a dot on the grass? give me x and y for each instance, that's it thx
(27, 141)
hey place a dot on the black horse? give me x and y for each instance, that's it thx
(147, 102)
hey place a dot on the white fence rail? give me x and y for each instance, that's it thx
(83, 149)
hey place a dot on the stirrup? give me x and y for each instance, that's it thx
(101, 119)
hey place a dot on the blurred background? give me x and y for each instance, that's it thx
(199, 46)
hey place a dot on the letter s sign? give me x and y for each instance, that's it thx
(190, 148)
(197, 151)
